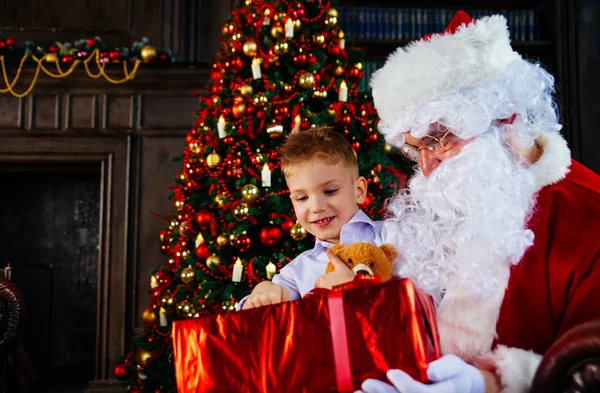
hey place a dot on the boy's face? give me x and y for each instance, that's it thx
(325, 197)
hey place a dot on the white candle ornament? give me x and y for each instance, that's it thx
(266, 176)
(271, 269)
(238, 268)
(343, 94)
(267, 20)
(297, 122)
(342, 40)
(289, 28)
(256, 73)
(162, 317)
(221, 127)
(153, 282)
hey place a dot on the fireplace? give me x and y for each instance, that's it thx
(65, 216)
(50, 236)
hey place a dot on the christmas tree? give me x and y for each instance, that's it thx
(283, 67)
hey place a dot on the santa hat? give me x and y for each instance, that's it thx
(465, 54)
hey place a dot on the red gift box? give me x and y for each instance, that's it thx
(327, 342)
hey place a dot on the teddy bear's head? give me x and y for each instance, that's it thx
(366, 258)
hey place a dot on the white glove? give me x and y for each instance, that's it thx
(449, 374)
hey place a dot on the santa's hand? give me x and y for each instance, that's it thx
(449, 374)
(341, 273)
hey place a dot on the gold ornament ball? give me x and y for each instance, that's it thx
(240, 211)
(221, 199)
(332, 12)
(387, 148)
(319, 39)
(297, 232)
(188, 275)
(260, 99)
(239, 109)
(185, 308)
(339, 70)
(306, 80)
(213, 260)
(149, 316)
(281, 48)
(246, 90)
(50, 58)
(250, 192)
(277, 31)
(250, 48)
(148, 53)
(297, 24)
(222, 241)
(213, 160)
(142, 357)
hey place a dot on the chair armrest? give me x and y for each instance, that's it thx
(12, 316)
(572, 363)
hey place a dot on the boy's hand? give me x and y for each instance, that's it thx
(266, 293)
(340, 275)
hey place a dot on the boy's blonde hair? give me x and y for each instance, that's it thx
(316, 143)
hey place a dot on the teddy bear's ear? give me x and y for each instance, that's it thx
(390, 251)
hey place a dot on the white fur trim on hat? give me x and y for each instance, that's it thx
(425, 70)
(555, 161)
(514, 366)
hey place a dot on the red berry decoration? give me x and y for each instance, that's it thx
(134, 389)
(271, 234)
(121, 371)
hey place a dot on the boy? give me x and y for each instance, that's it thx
(321, 172)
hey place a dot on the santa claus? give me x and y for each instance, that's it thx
(499, 224)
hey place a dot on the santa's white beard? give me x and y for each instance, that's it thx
(465, 222)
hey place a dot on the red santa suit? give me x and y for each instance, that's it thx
(554, 287)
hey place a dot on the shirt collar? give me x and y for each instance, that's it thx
(359, 216)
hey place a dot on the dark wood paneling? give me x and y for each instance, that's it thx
(157, 172)
(588, 22)
(164, 112)
(10, 112)
(82, 111)
(119, 112)
(44, 112)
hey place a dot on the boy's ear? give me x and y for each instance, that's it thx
(361, 189)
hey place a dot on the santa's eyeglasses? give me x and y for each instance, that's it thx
(430, 143)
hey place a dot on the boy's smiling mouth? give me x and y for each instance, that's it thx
(323, 222)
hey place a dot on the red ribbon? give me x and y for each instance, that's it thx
(339, 339)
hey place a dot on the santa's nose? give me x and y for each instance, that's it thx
(428, 162)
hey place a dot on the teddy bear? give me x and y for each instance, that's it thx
(366, 258)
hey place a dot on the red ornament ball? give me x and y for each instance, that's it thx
(202, 251)
(91, 42)
(204, 218)
(67, 59)
(114, 55)
(228, 140)
(300, 60)
(287, 224)
(10, 41)
(243, 243)
(121, 371)
(356, 145)
(134, 389)
(2, 44)
(52, 49)
(271, 234)
(335, 50)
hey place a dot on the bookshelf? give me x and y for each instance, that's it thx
(381, 26)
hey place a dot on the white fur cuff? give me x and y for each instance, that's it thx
(514, 366)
